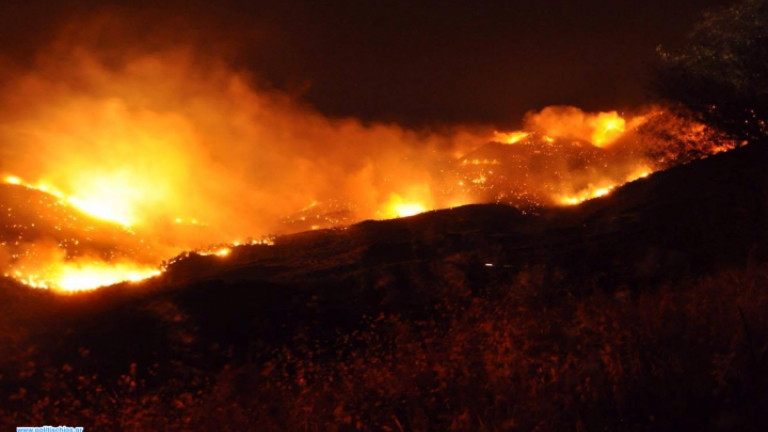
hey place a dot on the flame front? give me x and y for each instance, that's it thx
(509, 137)
(398, 207)
(104, 200)
(85, 276)
(607, 128)
(592, 192)
(160, 154)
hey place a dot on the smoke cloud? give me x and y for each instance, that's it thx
(184, 150)
(147, 139)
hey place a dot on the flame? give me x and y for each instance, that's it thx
(13, 180)
(183, 153)
(222, 252)
(593, 192)
(607, 127)
(100, 205)
(84, 275)
(409, 209)
(509, 137)
(566, 122)
(397, 207)
(585, 195)
(97, 274)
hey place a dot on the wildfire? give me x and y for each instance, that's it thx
(397, 207)
(587, 194)
(178, 155)
(61, 267)
(106, 205)
(409, 209)
(593, 192)
(510, 137)
(222, 252)
(607, 128)
(566, 122)
(84, 276)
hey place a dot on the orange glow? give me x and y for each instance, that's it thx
(101, 204)
(566, 122)
(409, 209)
(13, 180)
(607, 128)
(164, 153)
(585, 195)
(510, 137)
(397, 207)
(593, 192)
(84, 275)
(91, 276)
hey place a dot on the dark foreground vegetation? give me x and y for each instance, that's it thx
(644, 310)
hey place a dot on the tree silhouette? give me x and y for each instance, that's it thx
(720, 77)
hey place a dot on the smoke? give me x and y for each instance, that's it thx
(568, 122)
(147, 139)
(177, 145)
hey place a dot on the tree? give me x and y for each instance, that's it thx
(720, 78)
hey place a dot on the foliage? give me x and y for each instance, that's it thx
(720, 78)
(523, 356)
(672, 138)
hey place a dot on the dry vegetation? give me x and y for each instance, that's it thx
(528, 355)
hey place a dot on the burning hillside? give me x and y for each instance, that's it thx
(171, 152)
(47, 242)
(383, 216)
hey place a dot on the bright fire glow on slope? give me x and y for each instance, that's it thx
(85, 276)
(73, 265)
(398, 207)
(607, 128)
(117, 199)
(105, 204)
(593, 192)
(155, 143)
(601, 129)
(509, 137)
(408, 209)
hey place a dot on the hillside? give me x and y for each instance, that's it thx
(29, 217)
(642, 310)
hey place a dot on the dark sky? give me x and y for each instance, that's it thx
(416, 63)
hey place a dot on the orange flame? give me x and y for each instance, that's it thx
(187, 154)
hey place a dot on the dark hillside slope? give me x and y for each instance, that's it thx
(643, 310)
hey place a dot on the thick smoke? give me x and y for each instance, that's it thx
(151, 138)
(187, 150)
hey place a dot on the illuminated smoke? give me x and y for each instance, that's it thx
(179, 151)
(567, 122)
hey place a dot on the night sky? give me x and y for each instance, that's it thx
(415, 63)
